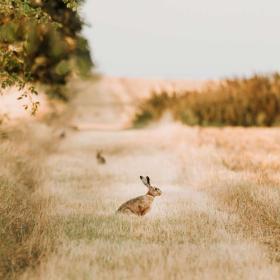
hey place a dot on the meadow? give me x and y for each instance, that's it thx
(218, 217)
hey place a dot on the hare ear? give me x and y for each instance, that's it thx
(148, 180)
(145, 180)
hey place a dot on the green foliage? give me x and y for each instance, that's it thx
(251, 101)
(72, 4)
(40, 41)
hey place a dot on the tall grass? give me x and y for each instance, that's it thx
(251, 101)
(24, 222)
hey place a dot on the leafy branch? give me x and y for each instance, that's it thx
(38, 41)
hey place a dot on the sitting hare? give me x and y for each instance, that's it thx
(141, 205)
(100, 158)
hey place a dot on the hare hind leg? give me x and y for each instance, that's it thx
(145, 211)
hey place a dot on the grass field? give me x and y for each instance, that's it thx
(218, 217)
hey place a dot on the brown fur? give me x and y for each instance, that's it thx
(141, 205)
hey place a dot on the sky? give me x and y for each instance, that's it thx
(183, 39)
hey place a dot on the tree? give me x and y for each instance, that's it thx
(40, 41)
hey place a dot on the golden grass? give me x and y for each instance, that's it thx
(212, 222)
(217, 217)
(24, 223)
(255, 198)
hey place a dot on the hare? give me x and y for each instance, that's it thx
(100, 158)
(141, 205)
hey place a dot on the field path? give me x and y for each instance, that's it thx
(187, 235)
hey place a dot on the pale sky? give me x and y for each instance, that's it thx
(184, 39)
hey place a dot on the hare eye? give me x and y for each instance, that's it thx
(156, 189)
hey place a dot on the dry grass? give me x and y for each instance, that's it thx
(24, 223)
(218, 217)
(253, 155)
(212, 222)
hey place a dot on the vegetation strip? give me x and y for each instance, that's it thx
(26, 231)
(253, 101)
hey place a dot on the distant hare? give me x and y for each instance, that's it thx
(141, 205)
(100, 158)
